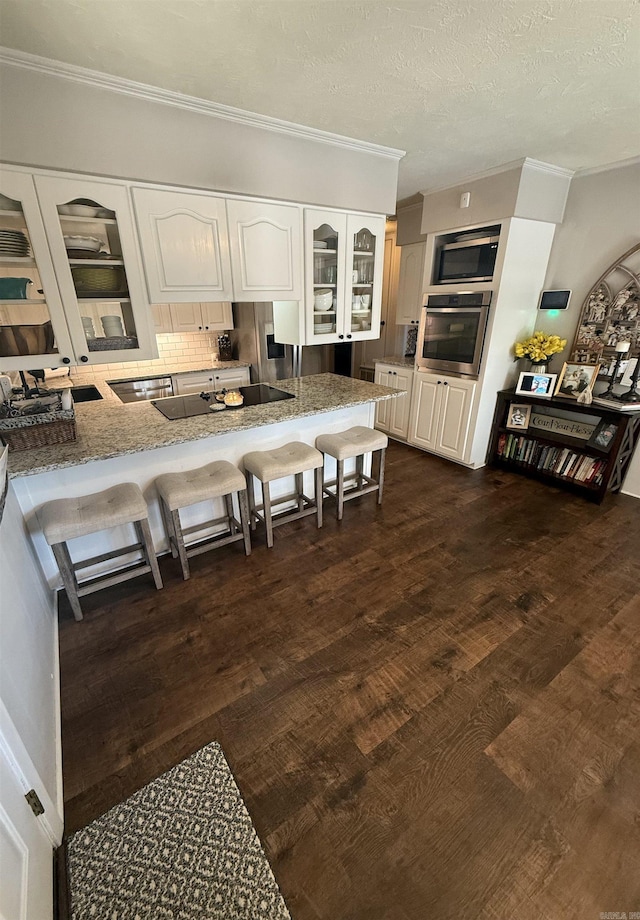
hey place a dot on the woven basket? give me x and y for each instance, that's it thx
(54, 427)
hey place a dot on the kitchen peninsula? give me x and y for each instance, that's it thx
(135, 443)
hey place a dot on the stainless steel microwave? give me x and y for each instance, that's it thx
(467, 260)
(452, 331)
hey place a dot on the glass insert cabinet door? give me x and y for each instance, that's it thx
(325, 252)
(90, 231)
(364, 271)
(33, 329)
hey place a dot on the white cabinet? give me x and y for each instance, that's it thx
(185, 245)
(411, 284)
(266, 250)
(192, 317)
(81, 217)
(344, 255)
(33, 326)
(440, 414)
(205, 381)
(392, 415)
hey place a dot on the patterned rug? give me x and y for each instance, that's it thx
(182, 848)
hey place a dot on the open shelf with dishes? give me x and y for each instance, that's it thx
(585, 449)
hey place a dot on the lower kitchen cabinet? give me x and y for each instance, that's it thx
(392, 415)
(440, 414)
(205, 381)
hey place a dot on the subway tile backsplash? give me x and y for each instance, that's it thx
(177, 351)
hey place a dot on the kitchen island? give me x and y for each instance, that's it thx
(134, 442)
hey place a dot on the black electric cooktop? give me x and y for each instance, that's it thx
(257, 394)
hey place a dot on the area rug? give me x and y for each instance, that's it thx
(182, 848)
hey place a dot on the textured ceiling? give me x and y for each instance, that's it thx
(461, 85)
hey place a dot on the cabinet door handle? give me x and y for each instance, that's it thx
(439, 382)
(206, 327)
(382, 322)
(66, 360)
(349, 336)
(340, 336)
(84, 359)
(446, 384)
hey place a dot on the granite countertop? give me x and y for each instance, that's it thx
(396, 361)
(108, 428)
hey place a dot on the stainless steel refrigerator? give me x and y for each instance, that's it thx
(252, 339)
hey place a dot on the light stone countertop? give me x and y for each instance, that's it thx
(395, 361)
(108, 428)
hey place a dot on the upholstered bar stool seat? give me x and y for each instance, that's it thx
(219, 479)
(64, 519)
(354, 442)
(293, 459)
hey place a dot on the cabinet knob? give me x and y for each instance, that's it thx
(349, 336)
(206, 327)
(446, 384)
(200, 328)
(66, 360)
(84, 359)
(382, 322)
(340, 336)
(439, 382)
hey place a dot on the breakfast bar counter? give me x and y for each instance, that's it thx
(134, 442)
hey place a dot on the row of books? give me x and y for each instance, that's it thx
(561, 461)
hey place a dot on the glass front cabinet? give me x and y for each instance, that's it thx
(90, 231)
(33, 328)
(344, 263)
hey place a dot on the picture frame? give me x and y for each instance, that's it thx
(604, 435)
(518, 416)
(531, 383)
(576, 378)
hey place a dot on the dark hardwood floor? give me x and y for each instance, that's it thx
(432, 710)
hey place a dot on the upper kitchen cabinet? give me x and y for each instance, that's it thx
(266, 250)
(33, 327)
(89, 227)
(411, 284)
(344, 265)
(185, 246)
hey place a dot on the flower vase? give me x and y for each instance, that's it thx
(538, 367)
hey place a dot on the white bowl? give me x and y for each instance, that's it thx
(78, 210)
(319, 244)
(90, 243)
(323, 300)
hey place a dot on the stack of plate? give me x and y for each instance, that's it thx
(322, 328)
(14, 243)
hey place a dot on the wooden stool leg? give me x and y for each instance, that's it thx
(340, 487)
(244, 520)
(359, 471)
(144, 535)
(228, 503)
(381, 474)
(319, 496)
(168, 526)
(65, 565)
(251, 499)
(182, 552)
(300, 490)
(266, 501)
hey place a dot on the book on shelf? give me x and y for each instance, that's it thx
(558, 461)
(616, 404)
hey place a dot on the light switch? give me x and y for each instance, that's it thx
(465, 199)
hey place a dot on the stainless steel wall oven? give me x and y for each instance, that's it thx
(452, 331)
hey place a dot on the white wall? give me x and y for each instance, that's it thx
(28, 650)
(601, 222)
(53, 122)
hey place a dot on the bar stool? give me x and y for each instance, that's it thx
(179, 490)
(293, 459)
(354, 442)
(64, 519)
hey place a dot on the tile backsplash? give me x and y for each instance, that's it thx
(177, 351)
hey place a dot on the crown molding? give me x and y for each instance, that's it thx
(607, 167)
(524, 162)
(95, 78)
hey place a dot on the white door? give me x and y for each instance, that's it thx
(26, 852)
(33, 327)
(217, 316)
(111, 278)
(455, 414)
(186, 317)
(425, 411)
(185, 245)
(365, 266)
(410, 284)
(184, 384)
(266, 250)
(325, 235)
(231, 380)
(399, 419)
(385, 344)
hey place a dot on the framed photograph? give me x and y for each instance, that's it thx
(603, 435)
(532, 384)
(518, 416)
(576, 379)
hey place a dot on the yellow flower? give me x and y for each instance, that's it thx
(539, 346)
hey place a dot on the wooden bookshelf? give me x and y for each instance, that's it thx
(558, 458)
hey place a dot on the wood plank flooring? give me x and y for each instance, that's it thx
(432, 709)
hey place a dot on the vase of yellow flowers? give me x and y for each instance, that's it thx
(538, 348)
